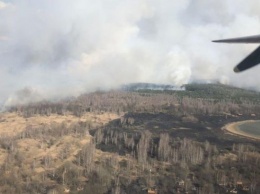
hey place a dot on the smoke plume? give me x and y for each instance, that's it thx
(51, 49)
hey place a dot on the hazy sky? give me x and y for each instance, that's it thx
(51, 49)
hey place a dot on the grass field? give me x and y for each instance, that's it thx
(35, 149)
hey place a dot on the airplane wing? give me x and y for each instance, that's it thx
(246, 39)
(251, 60)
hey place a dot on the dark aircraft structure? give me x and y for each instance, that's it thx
(251, 60)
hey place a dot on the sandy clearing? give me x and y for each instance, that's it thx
(233, 129)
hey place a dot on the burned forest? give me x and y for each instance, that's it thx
(132, 140)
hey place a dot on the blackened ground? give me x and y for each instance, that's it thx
(205, 128)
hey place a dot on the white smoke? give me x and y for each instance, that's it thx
(26, 95)
(3, 5)
(66, 47)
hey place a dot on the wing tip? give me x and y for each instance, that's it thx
(236, 69)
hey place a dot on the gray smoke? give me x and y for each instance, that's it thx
(64, 47)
